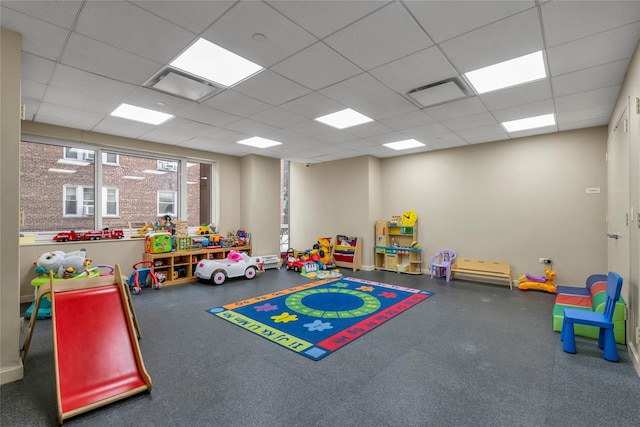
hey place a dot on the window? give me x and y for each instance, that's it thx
(79, 154)
(110, 202)
(164, 165)
(61, 188)
(110, 159)
(78, 200)
(166, 203)
(199, 194)
(284, 205)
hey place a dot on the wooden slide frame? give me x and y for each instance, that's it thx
(97, 357)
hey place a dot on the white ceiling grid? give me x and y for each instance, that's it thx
(81, 59)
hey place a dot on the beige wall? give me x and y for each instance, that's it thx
(628, 98)
(329, 199)
(514, 201)
(10, 57)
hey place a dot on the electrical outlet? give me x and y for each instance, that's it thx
(544, 260)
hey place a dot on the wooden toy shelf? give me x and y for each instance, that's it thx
(179, 266)
(347, 252)
(393, 250)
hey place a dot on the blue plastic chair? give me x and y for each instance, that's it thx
(606, 338)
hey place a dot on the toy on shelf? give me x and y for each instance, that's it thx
(541, 283)
(137, 231)
(141, 275)
(236, 264)
(157, 243)
(106, 233)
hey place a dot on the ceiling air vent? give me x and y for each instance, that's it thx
(437, 93)
(183, 85)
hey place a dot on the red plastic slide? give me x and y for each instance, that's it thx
(97, 356)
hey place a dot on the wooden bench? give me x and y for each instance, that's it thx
(479, 267)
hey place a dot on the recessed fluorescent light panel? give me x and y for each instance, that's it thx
(134, 178)
(344, 119)
(509, 73)
(139, 114)
(530, 123)
(404, 145)
(214, 63)
(259, 142)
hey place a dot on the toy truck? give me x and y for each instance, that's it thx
(65, 236)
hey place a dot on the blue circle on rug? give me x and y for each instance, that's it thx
(335, 302)
(332, 303)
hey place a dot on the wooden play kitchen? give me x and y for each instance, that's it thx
(396, 244)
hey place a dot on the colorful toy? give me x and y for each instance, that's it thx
(541, 283)
(63, 265)
(140, 276)
(157, 243)
(236, 264)
(65, 236)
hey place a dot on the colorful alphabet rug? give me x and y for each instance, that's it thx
(318, 318)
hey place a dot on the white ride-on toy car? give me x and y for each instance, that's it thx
(235, 265)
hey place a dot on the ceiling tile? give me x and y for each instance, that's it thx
(194, 16)
(565, 21)
(37, 69)
(446, 19)
(470, 122)
(98, 58)
(122, 127)
(278, 117)
(45, 40)
(602, 96)
(61, 13)
(320, 20)
(236, 103)
(313, 105)
(524, 111)
(177, 130)
(387, 34)
(316, 67)
(591, 51)
(271, 88)
(81, 119)
(408, 120)
(236, 28)
(517, 95)
(357, 90)
(610, 74)
(455, 109)
(250, 127)
(490, 45)
(90, 84)
(416, 70)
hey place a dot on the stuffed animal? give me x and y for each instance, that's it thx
(63, 265)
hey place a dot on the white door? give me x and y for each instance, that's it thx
(618, 200)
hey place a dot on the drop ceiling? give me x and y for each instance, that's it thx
(81, 59)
